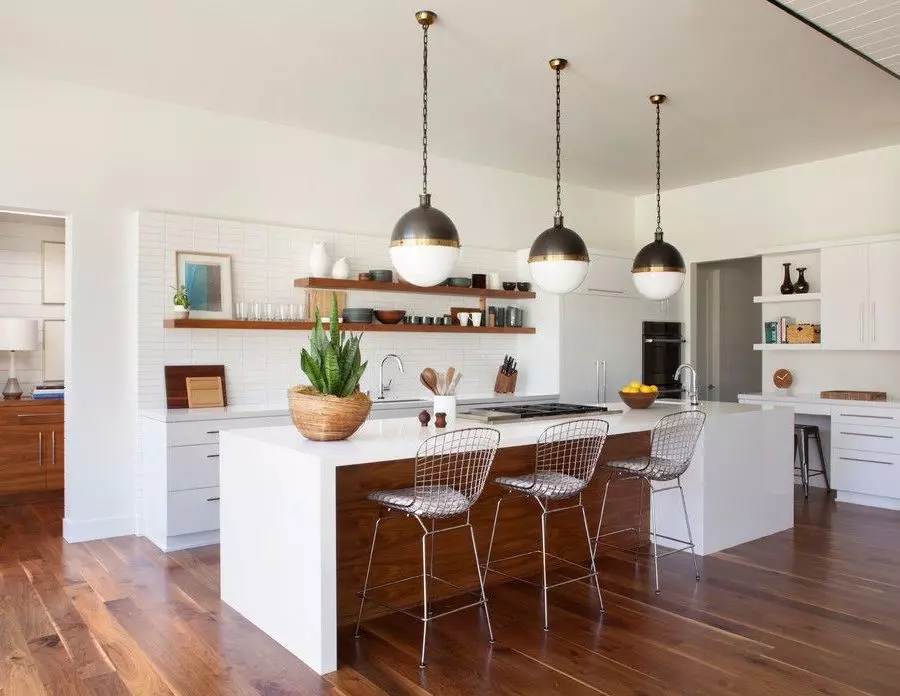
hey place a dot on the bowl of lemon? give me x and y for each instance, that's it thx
(637, 395)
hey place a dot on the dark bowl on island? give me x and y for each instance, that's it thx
(390, 316)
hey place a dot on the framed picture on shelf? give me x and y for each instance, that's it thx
(207, 278)
(53, 273)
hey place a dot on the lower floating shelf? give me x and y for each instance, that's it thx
(787, 346)
(307, 326)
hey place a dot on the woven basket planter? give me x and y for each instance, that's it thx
(324, 417)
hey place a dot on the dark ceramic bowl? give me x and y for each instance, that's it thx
(358, 315)
(459, 282)
(382, 276)
(390, 316)
(509, 286)
(523, 287)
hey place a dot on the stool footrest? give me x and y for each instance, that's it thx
(491, 569)
(418, 615)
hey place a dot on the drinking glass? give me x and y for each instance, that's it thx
(255, 311)
(240, 311)
(284, 312)
(270, 312)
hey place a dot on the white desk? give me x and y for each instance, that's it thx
(864, 461)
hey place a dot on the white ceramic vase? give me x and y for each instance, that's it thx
(341, 269)
(319, 262)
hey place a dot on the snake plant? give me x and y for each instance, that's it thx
(333, 362)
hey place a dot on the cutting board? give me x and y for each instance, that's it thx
(204, 392)
(176, 382)
(321, 299)
(850, 395)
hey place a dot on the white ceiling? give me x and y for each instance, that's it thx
(870, 26)
(751, 88)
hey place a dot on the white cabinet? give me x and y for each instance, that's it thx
(861, 297)
(865, 455)
(180, 474)
(608, 276)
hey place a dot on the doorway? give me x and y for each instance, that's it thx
(727, 324)
(32, 356)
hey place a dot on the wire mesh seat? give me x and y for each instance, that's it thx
(673, 441)
(566, 458)
(451, 470)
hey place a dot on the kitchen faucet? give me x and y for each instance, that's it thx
(692, 383)
(381, 387)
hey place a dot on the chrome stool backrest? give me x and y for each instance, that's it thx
(451, 465)
(571, 448)
(673, 442)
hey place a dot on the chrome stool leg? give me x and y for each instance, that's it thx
(587, 536)
(426, 580)
(687, 523)
(487, 613)
(602, 510)
(544, 565)
(362, 600)
(655, 539)
(487, 561)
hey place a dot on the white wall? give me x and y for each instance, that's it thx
(99, 157)
(20, 288)
(840, 198)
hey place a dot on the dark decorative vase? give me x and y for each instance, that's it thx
(787, 287)
(801, 287)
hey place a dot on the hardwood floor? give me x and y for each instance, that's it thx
(812, 611)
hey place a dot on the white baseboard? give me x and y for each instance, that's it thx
(102, 528)
(870, 500)
(184, 541)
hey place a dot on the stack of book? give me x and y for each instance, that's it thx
(50, 390)
(776, 331)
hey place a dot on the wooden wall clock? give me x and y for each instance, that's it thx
(783, 379)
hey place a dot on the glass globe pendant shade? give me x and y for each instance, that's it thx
(424, 245)
(558, 260)
(658, 270)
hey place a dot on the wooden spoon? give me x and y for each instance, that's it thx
(450, 372)
(452, 389)
(429, 379)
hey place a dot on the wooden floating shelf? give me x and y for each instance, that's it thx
(804, 297)
(376, 286)
(307, 326)
(787, 346)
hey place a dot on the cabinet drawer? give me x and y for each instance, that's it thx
(867, 438)
(871, 473)
(193, 466)
(207, 432)
(193, 511)
(872, 415)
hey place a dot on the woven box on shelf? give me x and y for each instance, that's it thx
(804, 333)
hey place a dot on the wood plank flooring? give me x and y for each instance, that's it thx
(811, 611)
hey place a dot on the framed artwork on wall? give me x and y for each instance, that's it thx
(207, 278)
(54, 350)
(53, 273)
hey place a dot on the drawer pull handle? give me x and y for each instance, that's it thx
(212, 500)
(870, 461)
(859, 415)
(883, 437)
(212, 456)
(212, 432)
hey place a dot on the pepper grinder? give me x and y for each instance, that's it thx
(424, 417)
(440, 420)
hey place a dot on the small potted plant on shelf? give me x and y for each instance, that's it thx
(332, 407)
(181, 302)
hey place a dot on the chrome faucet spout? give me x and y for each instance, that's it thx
(693, 394)
(382, 388)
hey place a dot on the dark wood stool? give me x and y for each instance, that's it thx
(802, 434)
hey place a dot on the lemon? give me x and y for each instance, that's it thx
(634, 385)
(645, 389)
(654, 388)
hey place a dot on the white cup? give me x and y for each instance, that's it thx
(476, 318)
(463, 318)
(446, 404)
(493, 281)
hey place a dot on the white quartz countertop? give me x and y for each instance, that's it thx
(789, 398)
(181, 415)
(399, 438)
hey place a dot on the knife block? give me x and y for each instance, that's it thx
(505, 384)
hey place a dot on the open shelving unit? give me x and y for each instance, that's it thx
(376, 286)
(308, 325)
(771, 299)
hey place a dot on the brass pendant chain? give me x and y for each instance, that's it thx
(558, 151)
(658, 197)
(424, 109)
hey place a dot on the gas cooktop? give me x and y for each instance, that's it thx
(501, 414)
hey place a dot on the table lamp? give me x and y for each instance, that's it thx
(16, 334)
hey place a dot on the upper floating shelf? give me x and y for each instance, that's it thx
(308, 325)
(804, 297)
(376, 286)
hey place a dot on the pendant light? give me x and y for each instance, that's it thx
(425, 243)
(658, 269)
(558, 259)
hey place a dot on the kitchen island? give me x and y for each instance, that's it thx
(296, 526)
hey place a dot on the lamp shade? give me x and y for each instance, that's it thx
(424, 245)
(18, 334)
(558, 259)
(658, 270)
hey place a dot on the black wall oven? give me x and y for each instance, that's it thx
(661, 355)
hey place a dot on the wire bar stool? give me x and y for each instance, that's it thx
(674, 439)
(565, 460)
(451, 470)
